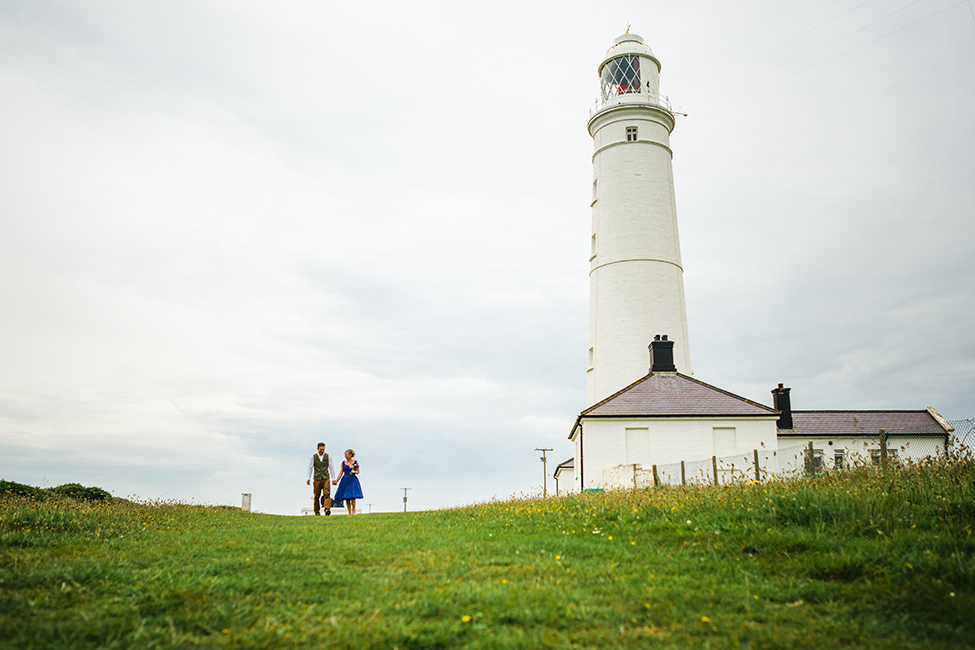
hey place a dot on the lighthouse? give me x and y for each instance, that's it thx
(636, 283)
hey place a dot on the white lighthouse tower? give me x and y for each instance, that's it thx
(636, 288)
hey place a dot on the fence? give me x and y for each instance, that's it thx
(808, 458)
(964, 434)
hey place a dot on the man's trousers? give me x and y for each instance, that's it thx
(323, 487)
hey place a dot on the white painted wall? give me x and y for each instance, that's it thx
(609, 443)
(859, 450)
(566, 481)
(636, 278)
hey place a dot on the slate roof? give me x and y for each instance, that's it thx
(567, 465)
(862, 423)
(672, 394)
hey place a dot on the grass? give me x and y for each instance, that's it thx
(858, 559)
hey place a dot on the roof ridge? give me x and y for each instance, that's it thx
(588, 412)
(730, 394)
(617, 393)
(859, 411)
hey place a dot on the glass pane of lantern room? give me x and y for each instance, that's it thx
(621, 76)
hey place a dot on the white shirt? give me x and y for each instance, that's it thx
(311, 466)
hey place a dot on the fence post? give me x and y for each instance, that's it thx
(683, 477)
(656, 479)
(883, 449)
(810, 467)
(714, 466)
(758, 473)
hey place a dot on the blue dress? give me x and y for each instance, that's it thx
(349, 487)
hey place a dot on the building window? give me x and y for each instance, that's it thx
(594, 194)
(725, 441)
(631, 134)
(815, 463)
(592, 254)
(838, 458)
(875, 455)
(590, 358)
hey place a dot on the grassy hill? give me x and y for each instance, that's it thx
(858, 559)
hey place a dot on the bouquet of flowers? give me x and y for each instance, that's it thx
(355, 467)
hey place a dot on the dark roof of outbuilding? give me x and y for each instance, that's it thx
(672, 394)
(566, 465)
(862, 423)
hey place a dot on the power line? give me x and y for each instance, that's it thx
(815, 65)
(811, 52)
(773, 48)
(544, 469)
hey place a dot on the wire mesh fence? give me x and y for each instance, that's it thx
(964, 433)
(809, 457)
(758, 465)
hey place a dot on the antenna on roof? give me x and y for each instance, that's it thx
(628, 25)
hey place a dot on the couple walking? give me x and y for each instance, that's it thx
(321, 470)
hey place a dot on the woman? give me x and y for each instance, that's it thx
(349, 489)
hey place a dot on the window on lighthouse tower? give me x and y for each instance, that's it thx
(631, 134)
(621, 76)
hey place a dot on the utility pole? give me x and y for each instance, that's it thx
(404, 497)
(544, 470)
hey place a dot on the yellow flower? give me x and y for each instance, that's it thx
(503, 581)
(632, 543)
(465, 618)
(705, 619)
(610, 538)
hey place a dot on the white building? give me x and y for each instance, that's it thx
(636, 286)
(665, 426)
(664, 418)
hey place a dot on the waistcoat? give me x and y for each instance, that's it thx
(321, 468)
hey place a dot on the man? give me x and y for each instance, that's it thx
(321, 470)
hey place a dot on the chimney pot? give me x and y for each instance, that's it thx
(662, 355)
(783, 403)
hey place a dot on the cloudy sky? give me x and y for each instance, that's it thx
(229, 230)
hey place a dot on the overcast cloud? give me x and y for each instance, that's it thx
(229, 230)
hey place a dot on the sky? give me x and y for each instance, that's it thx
(231, 230)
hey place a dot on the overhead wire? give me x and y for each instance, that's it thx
(811, 52)
(833, 58)
(771, 49)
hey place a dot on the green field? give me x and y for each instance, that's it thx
(860, 559)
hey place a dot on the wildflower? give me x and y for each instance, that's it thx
(465, 618)
(503, 581)
(632, 543)
(558, 557)
(611, 538)
(705, 619)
